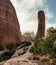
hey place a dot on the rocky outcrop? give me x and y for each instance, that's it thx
(9, 25)
(41, 24)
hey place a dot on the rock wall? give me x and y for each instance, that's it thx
(9, 25)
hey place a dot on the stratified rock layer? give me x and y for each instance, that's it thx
(9, 26)
(41, 25)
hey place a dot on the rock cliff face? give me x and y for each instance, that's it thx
(41, 24)
(9, 26)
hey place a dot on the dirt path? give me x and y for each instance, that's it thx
(27, 54)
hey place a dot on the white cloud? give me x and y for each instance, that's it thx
(24, 6)
(51, 25)
(27, 13)
(29, 26)
(48, 13)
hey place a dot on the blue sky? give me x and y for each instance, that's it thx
(27, 13)
(52, 7)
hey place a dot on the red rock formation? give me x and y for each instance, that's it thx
(9, 26)
(41, 24)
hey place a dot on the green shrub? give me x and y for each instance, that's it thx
(39, 47)
(53, 55)
(25, 43)
(12, 51)
(17, 44)
(44, 46)
(10, 46)
(25, 49)
(28, 44)
(1, 48)
(6, 55)
(31, 50)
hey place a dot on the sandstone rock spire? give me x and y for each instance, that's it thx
(41, 24)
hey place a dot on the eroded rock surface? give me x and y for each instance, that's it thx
(41, 25)
(9, 25)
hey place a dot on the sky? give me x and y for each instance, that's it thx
(27, 13)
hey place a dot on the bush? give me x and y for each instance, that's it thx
(17, 44)
(44, 46)
(53, 55)
(25, 49)
(39, 47)
(10, 46)
(12, 51)
(6, 55)
(31, 50)
(26, 43)
(1, 48)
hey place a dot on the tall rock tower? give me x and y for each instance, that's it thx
(41, 24)
(9, 25)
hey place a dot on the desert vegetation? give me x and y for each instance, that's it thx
(10, 50)
(44, 48)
